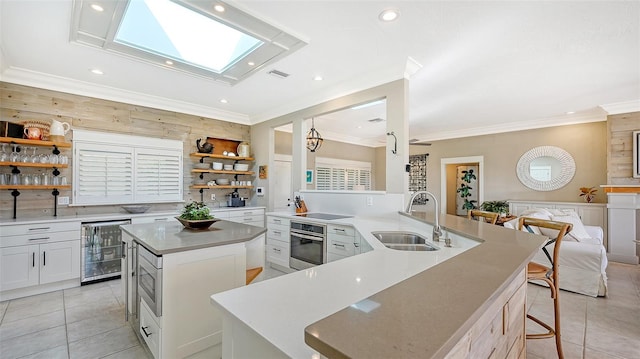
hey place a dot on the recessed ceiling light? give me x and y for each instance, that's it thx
(359, 127)
(570, 112)
(318, 78)
(97, 7)
(97, 71)
(251, 63)
(169, 62)
(222, 100)
(389, 15)
(219, 8)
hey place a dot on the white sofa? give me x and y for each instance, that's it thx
(583, 258)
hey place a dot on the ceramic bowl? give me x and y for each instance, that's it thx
(222, 181)
(228, 167)
(136, 209)
(241, 167)
(216, 166)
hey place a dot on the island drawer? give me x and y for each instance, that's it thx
(150, 330)
(252, 220)
(341, 230)
(278, 221)
(39, 228)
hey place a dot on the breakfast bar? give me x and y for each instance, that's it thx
(389, 303)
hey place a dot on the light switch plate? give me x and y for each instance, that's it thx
(63, 201)
(260, 191)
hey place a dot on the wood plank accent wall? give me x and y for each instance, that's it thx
(620, 147)
(19, 103)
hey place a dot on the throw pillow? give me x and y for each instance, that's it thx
(578, 232)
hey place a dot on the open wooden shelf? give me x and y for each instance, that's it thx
(22, 141)
(10, 186)
(222, 157)
(204, 186)
(28, 164)
(223, 172)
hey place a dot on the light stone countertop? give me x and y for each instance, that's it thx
(105, 216)
(171, 237)
(425, 299)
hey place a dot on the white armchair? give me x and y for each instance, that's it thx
(583, 260)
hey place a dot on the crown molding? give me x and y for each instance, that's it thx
(596, 115)
(25, 77)
(622, 107)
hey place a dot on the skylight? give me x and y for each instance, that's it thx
(207, 38)
(174, 31)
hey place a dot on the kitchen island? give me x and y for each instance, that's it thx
(178, 270)
(389, 303)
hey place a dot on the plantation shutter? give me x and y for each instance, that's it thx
(158, 175)
(105, 174)
(323, 178)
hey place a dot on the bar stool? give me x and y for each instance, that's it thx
(489, 217)
(549, 275)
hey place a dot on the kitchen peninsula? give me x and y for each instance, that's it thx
(388, 303)
(178, 269)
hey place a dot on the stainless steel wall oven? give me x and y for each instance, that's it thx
(308, 245)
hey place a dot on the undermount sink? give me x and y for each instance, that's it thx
(404, 241)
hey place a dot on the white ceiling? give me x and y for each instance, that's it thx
(487, 66)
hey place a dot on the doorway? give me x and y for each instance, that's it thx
(456, 192)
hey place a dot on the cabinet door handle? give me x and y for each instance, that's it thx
(39, 228)
(248, 213)
(356, 244)
(277, 221)
(338, 245)
(277, 250)
(144, 329)
(339, 230)
(33, 259)
(160, 219)
(124, 250)
(277, 232)
(39, 239)
(44, 258)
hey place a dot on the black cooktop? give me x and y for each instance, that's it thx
(327, 216)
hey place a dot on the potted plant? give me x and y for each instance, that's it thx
(589, 193)
(196, 215)
(501, 207)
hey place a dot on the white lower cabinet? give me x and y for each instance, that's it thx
(150, 330)
(253, 217)
(154, 219)
(190, 325)
(39, 258)
(341, 242)
(278, 241)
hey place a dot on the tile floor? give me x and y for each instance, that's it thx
(88, 322)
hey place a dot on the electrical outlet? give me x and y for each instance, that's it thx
(369, 201)
(63, 201)
(213, 196)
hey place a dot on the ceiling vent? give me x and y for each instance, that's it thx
(278, 74)
(376, 120)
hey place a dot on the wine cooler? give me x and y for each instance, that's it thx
(101, 250)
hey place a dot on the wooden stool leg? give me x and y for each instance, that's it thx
(556, 315)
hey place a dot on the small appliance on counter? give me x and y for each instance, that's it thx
(234, 200)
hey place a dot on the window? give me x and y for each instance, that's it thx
(336, 174)
(108, 169)
(181, 34)
(184, 35)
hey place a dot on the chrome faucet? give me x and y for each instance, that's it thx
(437, 231)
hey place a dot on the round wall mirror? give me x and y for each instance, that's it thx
(546, 168)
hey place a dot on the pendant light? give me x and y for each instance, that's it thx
(314, 139)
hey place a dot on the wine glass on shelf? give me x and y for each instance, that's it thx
(4, 156)
(15, 155)
(34, 156)
(24, 157)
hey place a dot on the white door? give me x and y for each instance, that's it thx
(19, 267)
(282, 193)
(59, 261)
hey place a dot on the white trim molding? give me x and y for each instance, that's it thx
(622, 107)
